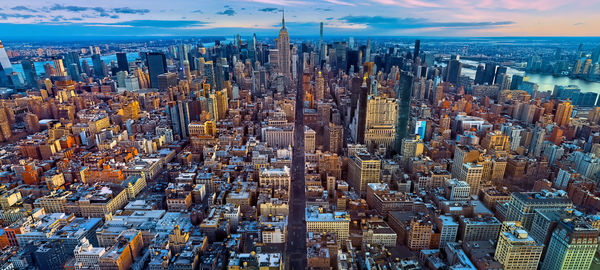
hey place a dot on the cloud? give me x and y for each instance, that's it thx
(102, 11)
(23, 8)
(158, 23)
(69, 8)
(413, 23)
(126, 10)
(323, 9)
(228, 12)
(198, 11)
(5, 16)
(578, 24)
(339, 2)
(408, 3)
(279, 2)
(58, 18)
(270, 9)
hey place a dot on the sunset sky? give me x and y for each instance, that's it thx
(72, 18)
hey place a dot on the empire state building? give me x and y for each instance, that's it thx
(283, 45)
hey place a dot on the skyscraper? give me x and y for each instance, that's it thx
(480, 74)
(30, 73)
(157, 64)
(122, 61)
(563, 114)
(501, 70)
(516, 81)
(359, 97)
(572, 246)
(516, 249)
(59, 66)
(417, 49)
(283, 44)
(454, 69)
(178, 113)
(490, 73)
(98, 66)
(5, 67)
(403, 89)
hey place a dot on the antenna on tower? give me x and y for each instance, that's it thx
(283, 18)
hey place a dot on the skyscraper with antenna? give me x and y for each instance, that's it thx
(283, 44)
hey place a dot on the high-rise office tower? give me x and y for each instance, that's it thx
(454, 69)
(516, 249)
(490, 73)
(209, 73)
(157, 64)
(479, 74)
(516, 81)
(71, 58)
(167, 80)
(122, 61)
(178, 113)
(187, 73)
(30, 73)
(360, 92)
(59, 66)
(320, 87)
(283, 46)
(341, 52)
(73, 72)
(335, 137)
(572, 246)
(98, 64)
(5, 67)
(596, 55)
(471, 173)
(522, 205)
(381, 119)
(368, 51)
(537, 140)
(403, 89)
(417, 49)
(563, 114)
(221, 71)
(363, 169)
(500, 71)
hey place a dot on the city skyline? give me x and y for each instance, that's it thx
(135, 136)
(464, 18)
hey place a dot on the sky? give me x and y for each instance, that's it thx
(460, 18)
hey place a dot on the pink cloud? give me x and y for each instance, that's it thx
(407, 3)
(339, 2)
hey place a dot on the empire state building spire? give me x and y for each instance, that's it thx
(283, 20)
(283, 45)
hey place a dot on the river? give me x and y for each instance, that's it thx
(546, 82)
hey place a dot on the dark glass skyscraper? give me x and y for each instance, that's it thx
(157, 64)
(30, 73)
(122, 61)
(403, 89)
(98, 66)
(71, 58)
(454, 69)
(501, 70)
(490, 73)
(516, 82)
(417, 49)
(480, 74)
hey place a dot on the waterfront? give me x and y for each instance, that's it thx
(546, 82)
(39, 65)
